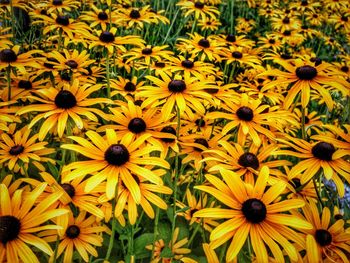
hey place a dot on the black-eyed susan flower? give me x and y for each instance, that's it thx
(128, 88)
(23, 149)
(200, 9)
(317, 154)
(59, 6)
(304, 76)
(60, 106)
(242, 57)
(113, 159)
(81, 235)
(328, 239)
(98, 17)
(253, 211)
(148, 53)
(186, 94)
(22, 219)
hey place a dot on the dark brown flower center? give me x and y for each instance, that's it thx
(296, 182)
(304, 3)
(287, 33)
(306, 72)
(344, 19)
(8, 56)
(307, 120)
(317, 61)
(204, 43)
(69, 189)
(25, 84)
(177, 86)
(200, 122)
(130, 87)
(62, 20)
(137, 125)
(16, 150)
(231, 38)
(147, 51)
(102, 15)
(286, 20)
(168, 129)
(199, 5)
(187, 63)
(159, 64)
(245, 113)
(135, 14)
(201, 141)
(10, 227)
(323, 151)
(272, 41)
(72, 64)
(73, 231)
(237, 54)
(286, 56)
(117, 154)
(106, 37)
(4, 2)
(344, 69)
(254, 210)
(65, 99)
(249, 160)
(323, 237)
(57, 2)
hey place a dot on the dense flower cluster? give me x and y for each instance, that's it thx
(174, 131)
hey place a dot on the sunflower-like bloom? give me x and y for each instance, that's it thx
(148, 53)
(199, 45)
(327, 239)
(21, 150)
(11, 57)
(22, 219)
(133, 121)
(81, 235)
(253, 211)
(113, 159)
(186, 93)
(137, 17)
(306, 75)
(98, 17)
(199, 9)
(128, 88)
(318, 154)
(59, 106)
(175, 248)
(249, 118)
(241, 56)
(245, 163)
(59, 6)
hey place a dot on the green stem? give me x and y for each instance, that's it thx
(56, 249)
(318, 189)
(171, 26)
(194, 234)
(108, 76)
(303, 133)
(111, 240)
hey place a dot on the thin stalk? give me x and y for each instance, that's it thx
(194, 234)
(171, 27)
(303, 133)
(318, 189)
(108, 75)
(111, 240)
(155, 230)
(56, 249)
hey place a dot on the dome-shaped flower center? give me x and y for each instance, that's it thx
(306, 72)
(304, 2)
(249, 160)
(62, 20)
(201, 141)
(117, 154)
(106, 37)
(168, 129)
(204, 43)
(286, 56)
(129, 86)
(231, 38)
(137, 125)
(200, 122)
(287, 33)
(65, 99)
(211, 90)
(8, 56)
(245, 113)
(296, 182)
(72, 63)
(344, 19)
(338, 217)
(285, 20)
(10, 227)
(187, 63)
(25, 84)
(102, 15)
(272, 41)
(69, 189)
(177, 86)
(237, 54)
(344, 69)
(323, 151)
(147, 51)
(159, 64)
(254, 210)
(304, 27)
(317, 61)
(16, 150)
(72, 231)
(199, 5)
(307, 120)
(135, 14)
(57, 2)
(323, 237)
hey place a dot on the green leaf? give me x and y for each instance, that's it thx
(166, 253)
